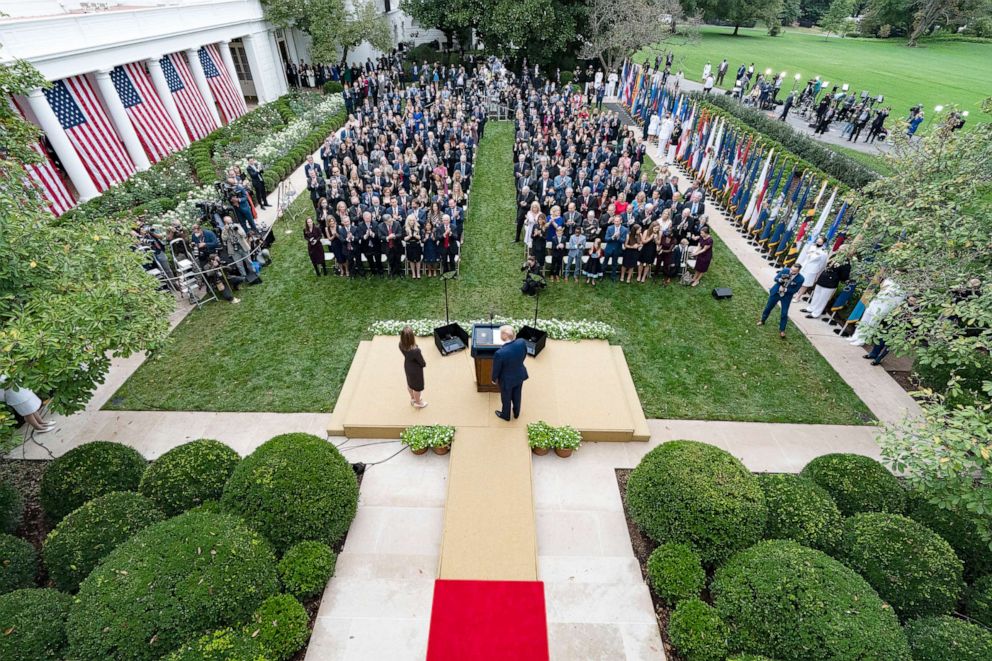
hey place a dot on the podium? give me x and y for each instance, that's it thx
(485, 342)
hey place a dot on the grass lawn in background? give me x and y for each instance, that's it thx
(938, 72)
(288, 345)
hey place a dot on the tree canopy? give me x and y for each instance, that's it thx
(617, 28)
(332, 28)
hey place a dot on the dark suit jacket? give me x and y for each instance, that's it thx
(508, 364)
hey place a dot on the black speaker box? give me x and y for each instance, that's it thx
(721, 293)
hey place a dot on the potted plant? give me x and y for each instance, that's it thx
(421, 438)
(565, 440)
(539, 437)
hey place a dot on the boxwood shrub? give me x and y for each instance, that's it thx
(170, 583)
(292, 488)
(306, 568)
(857, 483)
(978, 601)
(961, 531)
(948, 638)
(32, 625)
(281, 624)
(799, 509)
(18, 563)
(910, 566)
(81, 540)
(698, 494)
(697, 632)
(90, 470)
(748, 657)
(11, 508)
(223, 645)
(676, 572)
(189, 475)
(794, 603)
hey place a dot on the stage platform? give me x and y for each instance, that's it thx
(584, 384)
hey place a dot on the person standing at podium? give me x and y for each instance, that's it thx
(509, 372)
(413, 366)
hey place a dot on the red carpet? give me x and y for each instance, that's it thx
(488, 621)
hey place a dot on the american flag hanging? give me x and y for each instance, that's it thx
(226, 91)
(90, 131)
(191, 106)
(158, 135)
(45, 176)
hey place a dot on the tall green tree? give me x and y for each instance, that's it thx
(836, 18)
(615, 29)
(739, 12)
(455, 19)
(332, 28)
(365, 24)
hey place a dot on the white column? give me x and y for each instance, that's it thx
(165, 96)
(265, 72)
(193, 57)
(280, 79)
(60, 142)
(118, 115)
(232, 71)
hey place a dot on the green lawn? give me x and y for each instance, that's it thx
(880, 163)
(936, 73)
(288, 345)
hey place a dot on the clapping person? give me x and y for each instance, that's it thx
(414, 247)
(631, 250)
(315, 249)
(576, 248)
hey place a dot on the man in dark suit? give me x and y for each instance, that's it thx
(255, 172)
(524, 199)
(509, 372)
(787, 283)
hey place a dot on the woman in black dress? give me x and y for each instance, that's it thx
(313, 235)
(631, 249)
(413, 366)
(649, 251)
(414, 247)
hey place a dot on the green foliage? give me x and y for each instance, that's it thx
(857, 483)
(87, 471)
(961, 529)
(306, 568)
(739, 12)
(420, 437)
(748, 657)
(281, 625)
(294, 487)
(169, 583)
(11, 508)
(223, 645)
(333, 87)
(542, 435)
(962, 385)
(978, 601)
(321, 20)
(189, 475)
(948, 639)
(32, 625)
(910, 566)
(800, 510)
(676, 572)
(365, 23)
(83, 538)
(698, 494)
(697, 632)
(835, 20)
(18, 563)
(794, 603)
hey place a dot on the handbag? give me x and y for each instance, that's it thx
(686, 278)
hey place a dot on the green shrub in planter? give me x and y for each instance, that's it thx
(800, 510)
(978, 601)
(189, 475)
(795, 603)
(170, 583)
(422, 437)
(748, 657)
(676, 572)
(18, 563)
(948, 638)
(306, 568)
(223, 645)
(910, 566)
(11, 508)
(698, 494)
(857, 483)
(32, 625)
(90, 470)
(281, 624)
(541, 435)
(294, 487)
(961, 531)
(697, 632)
(81, 540)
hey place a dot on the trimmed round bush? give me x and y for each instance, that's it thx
(857, 484)
(305, 569)
(11, 508)
(697, 494)
(281, 624)
(697, 632)
(18, 563)
(90, 470)
(676, 572)
(794, 603)
(978, 600)
(170, 583)
(32, 625)
(223, 645)
(81, 540)
(189, 475)
(960, 529)
(948, 638)
(801, 510)
(910, 566)
(292, 488)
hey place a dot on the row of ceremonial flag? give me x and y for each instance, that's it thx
(80, 111)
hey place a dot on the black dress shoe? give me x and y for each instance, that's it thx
(500, 416)
(867, 356)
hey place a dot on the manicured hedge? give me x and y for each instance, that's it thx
(18, 563)
(223, 645)
(697, 632)
(749, 657)
(698, 494)
(961, 531)
(90, 470)
(32, 625)
(292, 488)
(978, 601)
(795, 603)
(189, 475)
(306, 568)
(910, 566)
(948, 639)
(281, 624)
(170, 583)
(11, 508)
(857, 483)
(800, 510)
(81, 540)
(676, 572)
